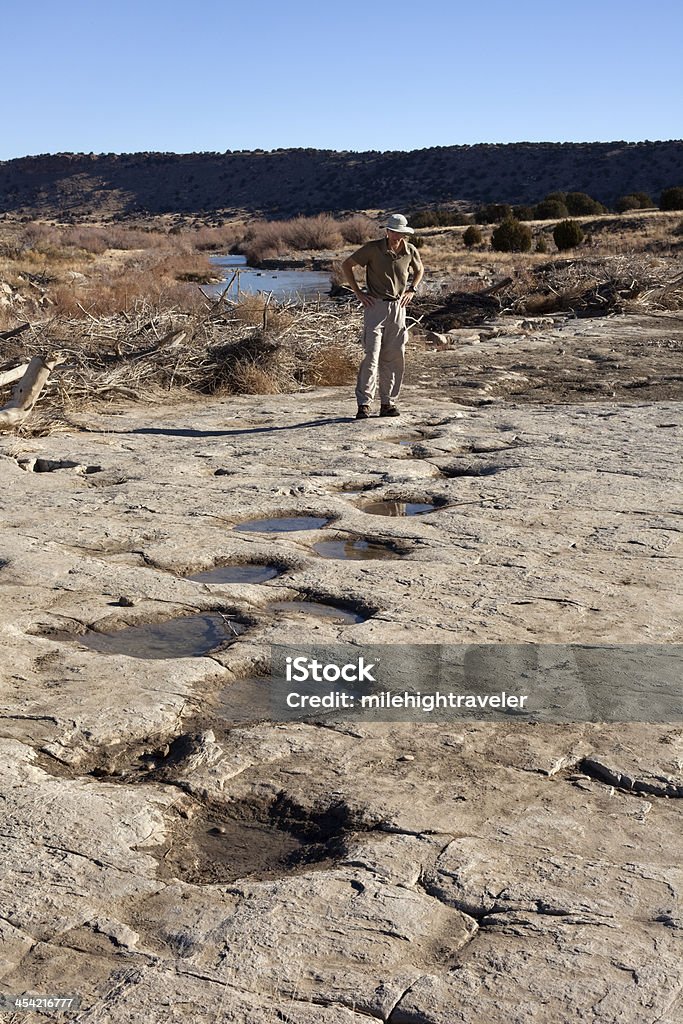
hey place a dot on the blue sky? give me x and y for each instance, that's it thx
(144, 75)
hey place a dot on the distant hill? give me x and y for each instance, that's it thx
(290, 181)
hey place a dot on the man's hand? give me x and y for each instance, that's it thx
(350, 279)
(407, 297)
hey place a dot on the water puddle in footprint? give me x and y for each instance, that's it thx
(284, 524)
(192, 636)
(356, 549)
(315, 609)
(236, 574)
(398, 508)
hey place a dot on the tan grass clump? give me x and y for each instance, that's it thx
(333, 366)
(122, 293)
(258, 310)
(247, 378)
(269, 239)
(358, 229)
(313, 233)
(222, 239)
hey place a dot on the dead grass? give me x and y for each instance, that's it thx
(358, 229)
(314, 233)
(90, 272)
(270, 239)
(64, 239)
(143, 354)
(40, 272)
(334, 365)
(122, 292)
(205, 239)
(248, 378)
(258, 310)
(635, 282)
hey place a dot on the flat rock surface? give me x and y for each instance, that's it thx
(170, 853)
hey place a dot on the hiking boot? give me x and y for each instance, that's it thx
(389, 410)
(363, 412)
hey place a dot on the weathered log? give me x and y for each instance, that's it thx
(27, 391)
(16, 373)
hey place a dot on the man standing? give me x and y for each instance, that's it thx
(393, 271)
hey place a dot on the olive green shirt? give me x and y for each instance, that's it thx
(386, 271)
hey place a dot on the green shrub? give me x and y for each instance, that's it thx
(492, 213)
(671, 199)
(541, 244)
(678, 230)
(438, 218)
(626, 203)
(423, 219)
(523, 212)
(633, 201)
(567, 234)
(511, 236)
(551, 209)
(472, 236)
(578, 204)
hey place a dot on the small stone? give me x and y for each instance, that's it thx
(406, 757)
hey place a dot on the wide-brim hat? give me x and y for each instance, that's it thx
(397, 222)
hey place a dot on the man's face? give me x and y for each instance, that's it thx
(394, 238)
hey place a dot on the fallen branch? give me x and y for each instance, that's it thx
(27, 391)
(14, 333)
(16, 373)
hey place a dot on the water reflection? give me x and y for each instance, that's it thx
(282, 524)
(192, 636)
(398, 508)
(236, 574)
(283, 284)
(315, 609)
(355, 549)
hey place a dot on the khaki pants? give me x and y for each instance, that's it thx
(384, 339)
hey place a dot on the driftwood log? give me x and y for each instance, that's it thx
(27, 391)
(9, 376)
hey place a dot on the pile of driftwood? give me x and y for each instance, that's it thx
(583, 287)
(258, 346)
(231, 347)
(599, 287)
(459, 309)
